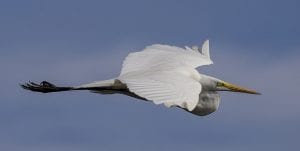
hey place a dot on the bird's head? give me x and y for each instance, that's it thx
(214, 84)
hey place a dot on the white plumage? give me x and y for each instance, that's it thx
(164, 87)
(165, 57)
(166, 74)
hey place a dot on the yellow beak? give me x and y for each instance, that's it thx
(236, 88)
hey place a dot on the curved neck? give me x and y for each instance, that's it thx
(208, 82)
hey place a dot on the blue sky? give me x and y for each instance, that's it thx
(253, 43)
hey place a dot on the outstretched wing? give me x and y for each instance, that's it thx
(165, 57)
(164, 87)
(152, 74)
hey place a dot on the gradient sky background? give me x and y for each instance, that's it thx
(69, 42)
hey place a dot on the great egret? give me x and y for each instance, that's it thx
(162, 74)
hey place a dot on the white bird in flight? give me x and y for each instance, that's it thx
(162, 74)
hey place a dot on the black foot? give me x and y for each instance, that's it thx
(44, 87)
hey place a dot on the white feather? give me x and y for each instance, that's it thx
(205, 48)
(164, 87)
(163, 57)
(165, 74)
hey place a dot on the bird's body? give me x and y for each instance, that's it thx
(164, 75)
